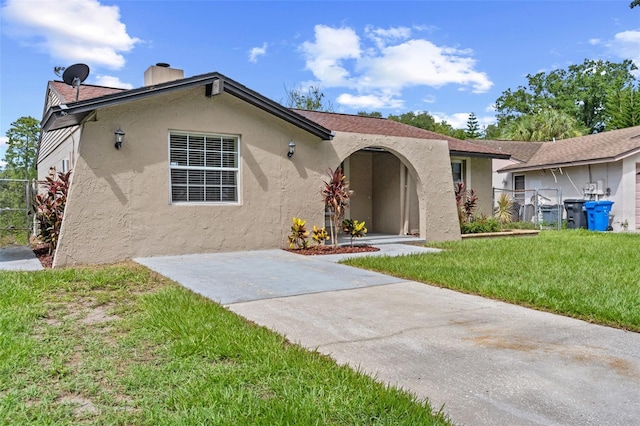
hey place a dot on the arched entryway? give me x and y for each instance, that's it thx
(385, 192)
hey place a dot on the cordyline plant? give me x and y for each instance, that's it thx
(336, 195)
(49, 208)
(354, 229)
(466, 201)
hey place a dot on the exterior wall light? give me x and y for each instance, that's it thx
(119, 137)
(292, 149)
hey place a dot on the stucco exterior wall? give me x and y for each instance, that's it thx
(480, 180)
(360, 171)
(617, 177)
(119, 204)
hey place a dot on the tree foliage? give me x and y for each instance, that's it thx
(426, 121)
(22, 148)
(312, 100)
(578, 91)
(623, 106)
(546, 125)
(473, 128)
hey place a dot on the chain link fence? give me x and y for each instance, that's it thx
(540, 207)
(16, 218)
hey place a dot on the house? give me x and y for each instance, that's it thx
(601, 166)
(207, 164)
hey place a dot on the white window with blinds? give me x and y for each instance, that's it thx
(203, 168)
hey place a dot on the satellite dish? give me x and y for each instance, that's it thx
(75, 75)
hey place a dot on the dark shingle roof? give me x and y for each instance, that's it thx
(87, 91)
(520, 150)
(596, 148)
(382, 126)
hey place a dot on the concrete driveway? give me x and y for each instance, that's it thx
(486, 362)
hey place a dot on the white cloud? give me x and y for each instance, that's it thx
(626, 45)
(256, 52)
(459, 119)
(111, 81)
(369, 102)
(326, 55)
(70, 30)
(387, 61)
(594, 41)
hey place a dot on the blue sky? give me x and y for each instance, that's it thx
(449, 58)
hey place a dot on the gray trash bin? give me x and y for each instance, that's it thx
(576, 214)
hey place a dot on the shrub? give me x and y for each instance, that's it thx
(354, 229)
(336, 195)
(299, 234)
(319, 235)
(480, 225)
(466, 201)
(504, 209)
(49, 208)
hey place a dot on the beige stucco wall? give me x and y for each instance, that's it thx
(360, 172)
(481, 181)
(119, 208)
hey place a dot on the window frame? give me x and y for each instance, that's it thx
(463, 170)
(236, 170)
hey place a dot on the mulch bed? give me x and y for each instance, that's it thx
(42, 253)
(320, 250)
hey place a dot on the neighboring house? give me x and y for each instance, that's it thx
(601, 166)
(204, 167)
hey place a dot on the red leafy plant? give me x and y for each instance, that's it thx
(466, 201)
(336, 195)
(49, 208)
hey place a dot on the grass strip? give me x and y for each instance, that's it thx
(593, 276)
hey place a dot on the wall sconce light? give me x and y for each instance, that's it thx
(119, 137)
(292, 149)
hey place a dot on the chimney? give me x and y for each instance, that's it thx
(161, 73)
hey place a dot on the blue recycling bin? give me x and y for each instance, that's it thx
(598, 214)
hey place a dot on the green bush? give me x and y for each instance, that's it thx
(481, 225)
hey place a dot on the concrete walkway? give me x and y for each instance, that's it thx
(18, 258)
(486, 362)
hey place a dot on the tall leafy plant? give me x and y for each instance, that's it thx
(336, 195)
(49, 208)
(466, 201)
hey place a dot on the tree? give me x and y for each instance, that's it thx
(473, 128)
(634, 3)
(423, 120)
(22, 148)
(336, 195)
(491, 132)
(622, 106)
(375, 114)
(546, 125)
(578, 91)
(312, 100)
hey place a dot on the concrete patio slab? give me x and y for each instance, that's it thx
(19, 258)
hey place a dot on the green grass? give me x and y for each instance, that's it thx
(120, 345)
(588, 275)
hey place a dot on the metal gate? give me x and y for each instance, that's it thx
(16, 220)
(542, 207)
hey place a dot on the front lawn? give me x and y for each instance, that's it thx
(588, 275)
(121, 345)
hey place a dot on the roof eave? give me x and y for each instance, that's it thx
(479, 154)
(74, 113)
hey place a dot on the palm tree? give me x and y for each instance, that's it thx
(545, 125)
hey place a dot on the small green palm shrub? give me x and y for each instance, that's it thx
(504, 209)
